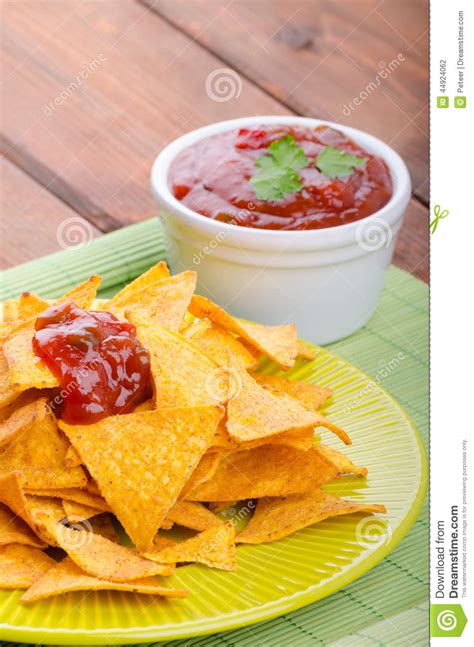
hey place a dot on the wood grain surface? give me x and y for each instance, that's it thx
(91, 91)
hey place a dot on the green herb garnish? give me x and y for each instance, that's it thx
(278, 176)
(335, 162)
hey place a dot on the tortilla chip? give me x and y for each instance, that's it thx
(182, 375)
(277, 518)
(10, 310)
(30, 305)
(21, 400)
(72, 458)
(25, 369)
(214, 341)
(7, 392)
(312, 397)
(40, 454)
(304, 351)
(82, 295)
(205, 470)
(141, 461)
(255, 413)
(75, 495)
(343, 464)
(77, 512)
(126, 294)
(269, 470)
(214, 547)
(67, 576)
(277, 342)
(17, 423)
(193, 515)
(21, 566)
(148, 405)
(164, 302)
(101, 557)
(13, 530)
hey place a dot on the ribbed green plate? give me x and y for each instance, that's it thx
(274, 578)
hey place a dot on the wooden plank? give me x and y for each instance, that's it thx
(34, 222)
(92, 140)
(321, 58)
(412, 248)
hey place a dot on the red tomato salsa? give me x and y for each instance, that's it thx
(212, 177)
(101, 368)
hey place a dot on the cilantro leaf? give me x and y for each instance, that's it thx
(334, 162)
(278, 176)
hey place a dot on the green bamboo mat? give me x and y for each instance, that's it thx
(388, 605)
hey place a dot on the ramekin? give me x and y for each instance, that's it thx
(327, 281)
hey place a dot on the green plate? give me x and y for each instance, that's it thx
(271, 579)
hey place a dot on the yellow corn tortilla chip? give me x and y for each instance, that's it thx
(25, 369)
(126, 294)
(75, 495)
(343, 464)
(100, 557)
(182, 375)
(34, 511)
(277, 518)
(279, 343)
(20, 420)
(21, 400)
(39, 454)
(214, 341)
(148, 405)
(77, 512)
(269, 470)
(312, 397)
(204, 471)
(30, 305)
(102, 525)
(165, 302)
(10, 310)
(21, 566)
(214, 547)
(67, 576)
(13, 530)
(7, 392)
(254, 413)
(141, 461)
(193, 515)
(304, 351)
(72, 458)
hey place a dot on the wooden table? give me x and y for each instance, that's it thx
(92, 90)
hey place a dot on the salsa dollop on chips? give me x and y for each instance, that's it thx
(101, 367)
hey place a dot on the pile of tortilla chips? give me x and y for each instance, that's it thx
(216, 432)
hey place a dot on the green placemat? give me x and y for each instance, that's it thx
(388, 606)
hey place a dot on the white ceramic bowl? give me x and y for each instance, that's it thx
(328, 281)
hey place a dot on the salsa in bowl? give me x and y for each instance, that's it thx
(260, 223)
(281, 177)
